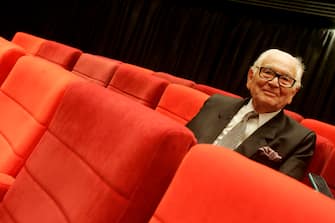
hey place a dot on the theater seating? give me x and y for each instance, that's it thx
(294, 115)
(180, 102)
(31, 43)
(28, 99)
(102, 166)
(99, 161)
(138, 83)
(9, 54)
(321, 128)
(326, 157)
(212, 90)
(3, 40)
(95, 68)
(322, 162)
(61, 54)
(174, 79)
(218, 185)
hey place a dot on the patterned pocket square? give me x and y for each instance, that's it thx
(269, 153)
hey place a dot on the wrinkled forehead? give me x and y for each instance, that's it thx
(282, 63)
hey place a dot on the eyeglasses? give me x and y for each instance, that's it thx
(283, 79)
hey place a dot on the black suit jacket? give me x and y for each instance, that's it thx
(293, 142)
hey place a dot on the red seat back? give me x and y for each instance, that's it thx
(61, 54)
(296, 116)
(29, 42)
(138, 83)
(95, 68)
(212, 90)
(219, 185)
(327, 155)
(174, 79)
(99, 161)
(181, 103)
(28, 98)
(9, 54)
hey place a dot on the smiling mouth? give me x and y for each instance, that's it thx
(269, 93)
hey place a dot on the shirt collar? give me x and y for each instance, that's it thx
(264, 117)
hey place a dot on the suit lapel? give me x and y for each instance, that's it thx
(218, 115)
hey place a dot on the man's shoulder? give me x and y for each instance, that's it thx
(292, 123)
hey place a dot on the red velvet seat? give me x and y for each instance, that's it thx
(31, 43)
(294, 115)
(322, 128)
(181, 103)
(138, 83)
(174, 79)
(28, 99)
(322, 162)
(61, 54)
(219, 185)
(9, 54)
(212, 90)
(3, 40)
(328, 131)
(95, 68)
(99, 161)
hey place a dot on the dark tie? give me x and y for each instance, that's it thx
(237, 133)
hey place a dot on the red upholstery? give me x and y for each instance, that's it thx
(28, 98)
(138, 83)
(181, 103)
(328, 172)
(219, 185)
(3, 40)
(321, 128)
(9, 54)
(328, 131)
(61, 54)
(324, 149)
(294, 115)
(95, 68)
(29, 42)
(99, 161)
(211, 90)
(174, 79)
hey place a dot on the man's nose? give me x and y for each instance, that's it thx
(274, 82)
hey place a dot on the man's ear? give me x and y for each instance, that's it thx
(250, 77)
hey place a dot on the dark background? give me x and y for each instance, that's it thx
(211, 42)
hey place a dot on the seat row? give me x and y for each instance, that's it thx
(130, 80)
(178, 102)
(100, 161)
(34, 88)
(157, 90)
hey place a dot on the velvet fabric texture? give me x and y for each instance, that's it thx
(181, 103)
(138, 83)
(95, 68)
(219, 185)
(28, 98)
(104, 158)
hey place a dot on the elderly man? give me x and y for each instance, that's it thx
(257, 127)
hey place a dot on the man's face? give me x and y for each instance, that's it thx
(269, 96)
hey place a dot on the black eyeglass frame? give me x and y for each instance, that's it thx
(276, 75)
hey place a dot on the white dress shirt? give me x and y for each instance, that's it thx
(252, 124)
